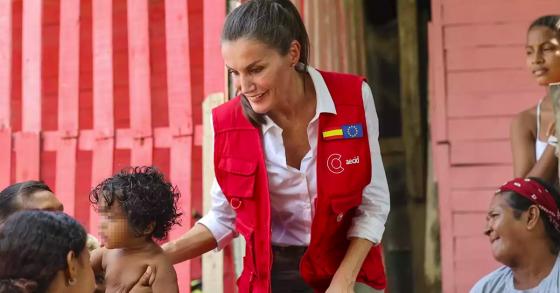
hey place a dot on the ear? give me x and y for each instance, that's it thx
(71, 272)
(533, 215)
(294, 52)
(149, 229)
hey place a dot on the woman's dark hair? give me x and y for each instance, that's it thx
(145, 197)
(276, 23)
(520, 204)
(34, 246)
(8, 196)
(549, 21)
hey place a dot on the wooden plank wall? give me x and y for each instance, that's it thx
(91, 86)
(478, 81)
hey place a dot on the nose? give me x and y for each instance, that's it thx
(537, 57)
(244, 84)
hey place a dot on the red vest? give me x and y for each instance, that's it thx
(343, 170)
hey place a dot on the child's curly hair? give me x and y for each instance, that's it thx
(145, 197)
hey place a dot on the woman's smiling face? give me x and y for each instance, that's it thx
(259, 72)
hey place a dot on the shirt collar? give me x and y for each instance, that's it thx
(325, 102)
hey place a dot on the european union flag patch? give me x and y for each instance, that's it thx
(345, 132)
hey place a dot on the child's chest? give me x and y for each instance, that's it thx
(125, 270)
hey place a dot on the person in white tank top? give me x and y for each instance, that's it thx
(531, 129)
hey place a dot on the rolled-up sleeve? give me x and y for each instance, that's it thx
(221, 217)
(371, 215)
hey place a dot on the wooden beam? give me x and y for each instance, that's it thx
(68, 89)
(5, 92)
(6, 61)
(103, 112)
(412, 123)
(139, 84)
(180, 117)
(212, 262)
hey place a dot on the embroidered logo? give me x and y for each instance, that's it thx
(335, 164)
(355, 160)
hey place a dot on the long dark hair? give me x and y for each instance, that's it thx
(276, 23)
(520, 204)
(34, 246)
(8, 196)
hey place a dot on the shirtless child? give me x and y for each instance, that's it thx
(135, 206)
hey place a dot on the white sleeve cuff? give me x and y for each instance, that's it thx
(367, 228)
(222, 233)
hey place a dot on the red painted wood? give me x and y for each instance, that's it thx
(480, 11)
(479, 177)
(471, 200)
(441, 168)
(469, 224)
(139, 86)
(491, 104)
(486, 58)
(482, 35)
(479, 128)
(66, 159)
(214, 68)
(481, 152)
(103, 121)
(438, 106)
(510, 80)
(180, 174)
(28, 143)
(27, 156)
(473, 248)
(6, 60)
(180, 117)
(5, 156)
(31, 66)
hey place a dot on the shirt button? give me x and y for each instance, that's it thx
(339, 217)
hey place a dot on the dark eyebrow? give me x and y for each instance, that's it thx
(248, 66)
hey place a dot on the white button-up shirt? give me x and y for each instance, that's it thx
(293, 191)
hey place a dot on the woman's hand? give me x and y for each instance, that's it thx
(341, 283)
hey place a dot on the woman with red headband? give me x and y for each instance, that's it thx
(523, 226)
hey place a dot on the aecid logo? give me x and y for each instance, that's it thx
(335, 165)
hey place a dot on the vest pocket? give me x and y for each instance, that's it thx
(236, 178)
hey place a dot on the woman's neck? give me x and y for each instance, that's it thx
(297, 103)
(533, 267)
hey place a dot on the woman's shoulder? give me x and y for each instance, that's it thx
(526, 119)
(495, 281)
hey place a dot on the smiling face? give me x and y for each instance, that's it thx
(259, 72)
(507, 234)
(543, 55)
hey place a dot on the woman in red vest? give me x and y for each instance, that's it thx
(297, 163)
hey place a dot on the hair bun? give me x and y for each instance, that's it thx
(20, 285)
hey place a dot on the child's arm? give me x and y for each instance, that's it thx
(96, 259)
(166, 278)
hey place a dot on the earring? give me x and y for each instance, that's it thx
(300, 67)
(71, 282)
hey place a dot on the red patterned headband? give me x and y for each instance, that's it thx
(536, 193)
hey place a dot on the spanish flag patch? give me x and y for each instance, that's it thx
(344, 132)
